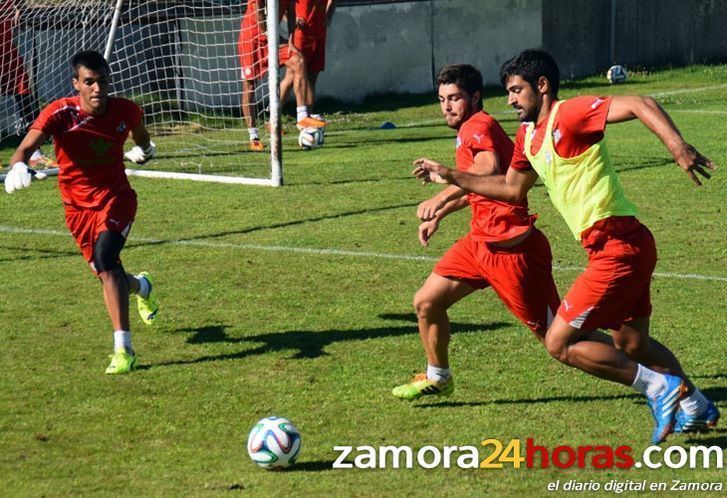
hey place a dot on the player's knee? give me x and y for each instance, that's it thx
(107, 250)
(557, 348)
(633, 347)
(424, 304)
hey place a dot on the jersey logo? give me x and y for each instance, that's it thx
(458, 143)
(596, 103)
(100, 147)
(478, 137)
(557, 135)
(122, 127)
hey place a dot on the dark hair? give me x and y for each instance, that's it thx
(530, 65)
(89, 59)
(465, 76)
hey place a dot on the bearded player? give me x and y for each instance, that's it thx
(502, 250)
(562, 142)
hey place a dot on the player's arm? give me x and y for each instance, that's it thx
(655, 118)
(32, 142)
(512, 187)
(485, 163)
(144, 148)
(330, 9)
(428, 227)
(20, 174)
(260, 13)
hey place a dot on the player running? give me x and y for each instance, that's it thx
(252, 47)
(502, 250)
(89, 131)
(312, 18)
(562, 142)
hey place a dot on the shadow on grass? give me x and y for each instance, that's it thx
(272, 226)
(318, 466)
(35, 254)
(713, 437)
(306, 344)
(528, 401)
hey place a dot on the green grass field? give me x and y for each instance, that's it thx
(296, 301)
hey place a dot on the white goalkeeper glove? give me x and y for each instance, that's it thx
(18, 177)
(140, 156)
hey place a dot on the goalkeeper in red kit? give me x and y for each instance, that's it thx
(89, 131)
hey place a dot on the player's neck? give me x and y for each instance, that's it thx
(545, 108)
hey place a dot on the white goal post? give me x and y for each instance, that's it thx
(178, 59)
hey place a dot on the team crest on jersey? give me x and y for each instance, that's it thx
(122, 127)
(458, 143)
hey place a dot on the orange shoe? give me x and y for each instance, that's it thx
(256, 145)
(310, 122)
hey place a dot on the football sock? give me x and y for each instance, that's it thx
(254, 134)
(438, 374)
(301, 112)
(649, 382)
(122, 341)
(694, 404)
(144, 287)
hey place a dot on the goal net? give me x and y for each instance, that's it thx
(178, 59)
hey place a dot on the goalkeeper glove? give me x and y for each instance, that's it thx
(18, 177)
(140, 156)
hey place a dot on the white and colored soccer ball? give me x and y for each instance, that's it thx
(274, 443)
(310, 138)
(616, 74)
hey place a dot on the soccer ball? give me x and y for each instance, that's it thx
(310, 138)
(274, 443)
(616, 74)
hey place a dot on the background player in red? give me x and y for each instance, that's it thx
(562, 142)
(89, 131)
(312, 18)
(252, 47)
(13, 78)
(502, 250)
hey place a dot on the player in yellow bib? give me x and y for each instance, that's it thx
(562, 142)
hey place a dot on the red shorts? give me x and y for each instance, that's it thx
(313, 50)
(614, 288)
(86, 224)
(252, 47)
(520, 275)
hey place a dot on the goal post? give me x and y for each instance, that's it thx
(177, 59)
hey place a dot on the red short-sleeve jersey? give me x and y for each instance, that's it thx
(313, 13)
(579, 124)
(491, 220)
(90, 149)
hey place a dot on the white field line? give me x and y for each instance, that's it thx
(321, 251)
(689, 90)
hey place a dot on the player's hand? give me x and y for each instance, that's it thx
(690, 160)
(18, 177)
(429, 171)
(140, 156)
(427, 210)
(426, 230)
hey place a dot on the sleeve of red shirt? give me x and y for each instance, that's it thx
(44, 121)
(585, 117)
(519, 159)
(135, 114)
(480, 140)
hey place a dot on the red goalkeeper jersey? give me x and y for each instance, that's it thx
(90, 149)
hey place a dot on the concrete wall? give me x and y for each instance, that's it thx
(399, 47)
(581, 33)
